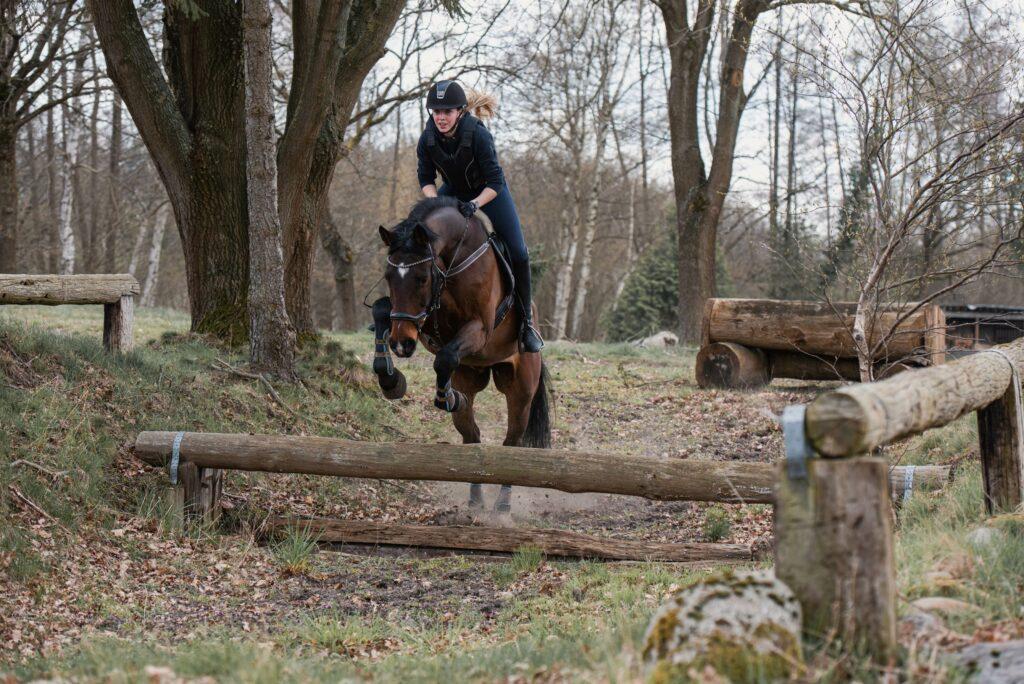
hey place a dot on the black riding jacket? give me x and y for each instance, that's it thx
(467, 161)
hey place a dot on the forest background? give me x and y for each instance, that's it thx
(849, 115)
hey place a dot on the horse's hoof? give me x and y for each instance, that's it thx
(476, 504)
(392, 386)
(458, 401)
(502, 506)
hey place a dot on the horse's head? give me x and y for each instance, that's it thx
(412, 278)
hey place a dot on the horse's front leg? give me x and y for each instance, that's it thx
(470, 339)
(390, 379)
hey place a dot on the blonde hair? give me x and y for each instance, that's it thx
(480, 104)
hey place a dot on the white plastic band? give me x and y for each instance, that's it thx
(908, 482)
(175, 457)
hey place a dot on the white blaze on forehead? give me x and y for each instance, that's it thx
(402, 271)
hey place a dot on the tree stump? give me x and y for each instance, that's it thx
(731, 366)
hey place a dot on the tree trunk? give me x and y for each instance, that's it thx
(8, 198)
(700, 196)
(52, 198)
(153, 263)
(590, 222)
(113, 213)
(92, 225)
(563, 278)
(343, 260)
(193, 125)
(65, 231)
(369, 27)
(271, 337)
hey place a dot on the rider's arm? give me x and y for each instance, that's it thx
(485, 196)
(425, 169)
(487, 158)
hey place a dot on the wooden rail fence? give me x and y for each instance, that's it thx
(115, 292)
(833, 525)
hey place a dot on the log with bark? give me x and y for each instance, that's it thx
(506, 540)
(568, 471)
(857, 419)
(68, 289)
(819, 329)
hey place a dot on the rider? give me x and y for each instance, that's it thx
(456, 144)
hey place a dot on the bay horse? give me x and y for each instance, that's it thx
(446, 287)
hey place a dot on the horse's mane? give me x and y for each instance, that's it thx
(428, 205)
(402, 233)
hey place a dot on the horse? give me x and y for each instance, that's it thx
(447, 288)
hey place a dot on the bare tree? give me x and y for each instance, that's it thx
(939, 142)
(32, 46)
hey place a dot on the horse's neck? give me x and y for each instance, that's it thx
(456, 248)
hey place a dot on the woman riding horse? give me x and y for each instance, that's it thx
(446, 288)
(458, 145)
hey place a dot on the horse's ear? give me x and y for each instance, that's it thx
(385, 235)
(423, 235)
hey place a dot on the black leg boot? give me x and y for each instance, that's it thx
(529, 338)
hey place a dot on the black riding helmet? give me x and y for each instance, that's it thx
(446, 95)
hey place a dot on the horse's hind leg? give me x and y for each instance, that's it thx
(518, 381)
(469, 381)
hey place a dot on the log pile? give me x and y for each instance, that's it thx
(749, 342)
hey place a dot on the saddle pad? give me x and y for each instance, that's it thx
(504, 266)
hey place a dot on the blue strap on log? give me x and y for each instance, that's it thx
(798, 448)
(175, 457)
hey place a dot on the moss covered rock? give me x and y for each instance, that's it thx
(745, 625)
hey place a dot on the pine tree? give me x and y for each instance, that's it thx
(649, 300)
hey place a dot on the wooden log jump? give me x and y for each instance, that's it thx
(834, 539)
(115, 292)
(507, 540)
(747, 342)
(567, 471)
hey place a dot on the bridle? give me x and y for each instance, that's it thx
(439, 278)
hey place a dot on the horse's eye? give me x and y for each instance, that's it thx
(421, 280)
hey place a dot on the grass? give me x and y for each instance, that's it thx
(294, 549)
(717, 524)
(73, 410)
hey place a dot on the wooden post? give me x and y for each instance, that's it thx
(1000, 442)
(118, 319)
(834, 548)
(196, 497)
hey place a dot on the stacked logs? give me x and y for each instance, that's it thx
(749, 342)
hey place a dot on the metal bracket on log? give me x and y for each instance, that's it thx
(798, 447)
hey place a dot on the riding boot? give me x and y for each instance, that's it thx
(529, 337)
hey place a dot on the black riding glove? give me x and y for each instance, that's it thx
(467, 209)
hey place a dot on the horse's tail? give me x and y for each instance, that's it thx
(538, 427)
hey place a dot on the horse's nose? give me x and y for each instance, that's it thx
(403, 348)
